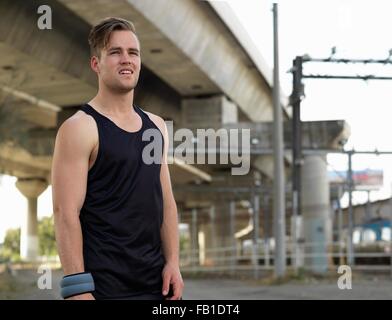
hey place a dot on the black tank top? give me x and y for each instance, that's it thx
(122, 213)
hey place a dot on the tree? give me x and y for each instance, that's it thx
(11, 246)
(46, 236)
(47, 240)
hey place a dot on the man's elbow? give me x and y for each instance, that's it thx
(63, 215)
(170, 205)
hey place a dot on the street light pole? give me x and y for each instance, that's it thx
(279, 183)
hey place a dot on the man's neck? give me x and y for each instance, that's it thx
(114, 104)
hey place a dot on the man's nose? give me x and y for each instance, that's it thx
(125, 59)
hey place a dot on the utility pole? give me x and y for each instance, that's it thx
(296, 97)
(279, 183)
(350, 246)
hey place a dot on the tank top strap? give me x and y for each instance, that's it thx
(92, 112)
(141, 113)
(147, 122)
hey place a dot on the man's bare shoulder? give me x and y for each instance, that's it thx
(79, 127)
(159, 122)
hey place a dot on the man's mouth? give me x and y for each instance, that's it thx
(126, 71)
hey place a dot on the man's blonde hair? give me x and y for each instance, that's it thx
(99, 35)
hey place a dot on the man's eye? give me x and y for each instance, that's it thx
(114, 52)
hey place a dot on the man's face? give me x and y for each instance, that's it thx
(120, 63)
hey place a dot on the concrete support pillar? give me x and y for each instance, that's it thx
(233, 252)
(316, 213)
(256, 217)
(31, 189)
(224, 232)
(208, 112)
(213, 227)
(194, 238)
(297, 247)
(266, 230)
(340, 227)
(208, 230)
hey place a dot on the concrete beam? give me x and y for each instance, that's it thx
(21, 169)
(21, 162)
(49, 63)
(20, 105)
(316, 135)
(232, 22)
(182, 173)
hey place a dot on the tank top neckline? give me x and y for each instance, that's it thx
(115, 125)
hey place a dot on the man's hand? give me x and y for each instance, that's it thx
(171, 276)
(84, 296)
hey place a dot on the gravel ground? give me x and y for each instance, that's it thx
(23, 285)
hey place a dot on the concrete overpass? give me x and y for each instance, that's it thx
(199, 70)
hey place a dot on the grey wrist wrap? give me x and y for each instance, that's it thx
(75, 284)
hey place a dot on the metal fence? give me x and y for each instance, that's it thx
(376, 257)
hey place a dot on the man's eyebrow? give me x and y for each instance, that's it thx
(119, 48)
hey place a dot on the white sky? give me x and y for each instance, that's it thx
(13, 206)
(359, 29)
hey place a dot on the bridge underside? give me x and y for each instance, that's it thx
(195, 73)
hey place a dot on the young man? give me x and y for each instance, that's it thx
(115, 214)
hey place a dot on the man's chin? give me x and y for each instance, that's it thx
(123, 89)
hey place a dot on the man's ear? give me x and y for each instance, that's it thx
(94, 63)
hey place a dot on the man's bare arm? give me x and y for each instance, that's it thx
(169, 229)
(74, 143)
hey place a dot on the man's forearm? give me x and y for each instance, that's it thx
(169, 235)
(69, 243)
